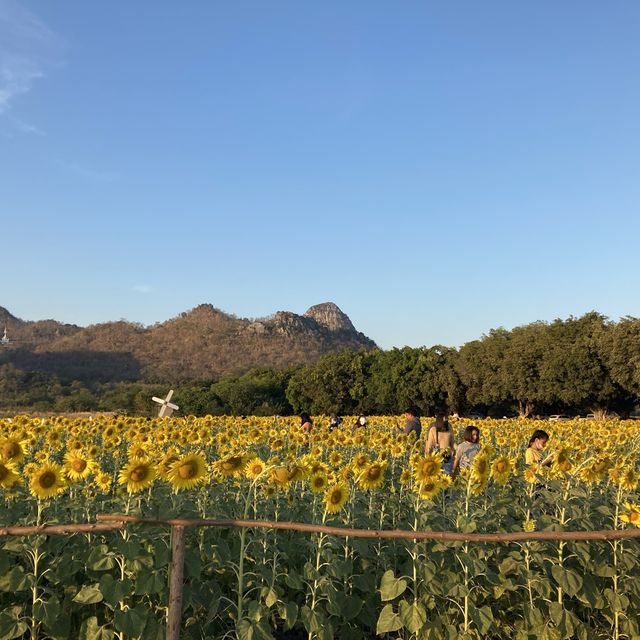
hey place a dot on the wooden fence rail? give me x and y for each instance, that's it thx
(110, 522)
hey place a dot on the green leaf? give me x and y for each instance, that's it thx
(91, 630)
(149, 582)
(100, 559)
(569, 580)
(271, 598)
(132, 621)
(413, 616)
(388, 621)
(89, 594)
(289, 613)
(11, 627)
(114, 591)
(617, 602)
(5, 562)
(562, 618)
(390, 586)
(16, 580)
(312, 620)
(294, 581)
(48, 611)
(482, 618)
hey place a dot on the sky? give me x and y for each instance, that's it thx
(436, 169)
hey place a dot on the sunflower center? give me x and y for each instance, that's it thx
(79, 465)
(501, 466)
(10, 449)
(429, 468)
(4, 472)
(231, 464)
(374, 472)
(47, 479)
(139, 473)
(335, 497)
(188, 470)
(634, 516)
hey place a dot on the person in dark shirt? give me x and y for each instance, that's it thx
(412, 423)
(334, 421)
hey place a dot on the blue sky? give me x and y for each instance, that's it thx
(436, 169)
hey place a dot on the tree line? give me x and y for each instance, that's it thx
(579, 365)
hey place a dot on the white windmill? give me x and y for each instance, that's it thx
(5, 338)
(167, 407)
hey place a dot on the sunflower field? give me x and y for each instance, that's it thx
(267, 583)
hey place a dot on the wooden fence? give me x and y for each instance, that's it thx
(110, 522)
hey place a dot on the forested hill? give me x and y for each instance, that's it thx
(204, 343)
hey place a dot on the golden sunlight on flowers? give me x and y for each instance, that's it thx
(137, 475)
(335, 498)
(187, 472)
(47, 481)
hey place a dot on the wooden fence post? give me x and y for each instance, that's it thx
(176, 576)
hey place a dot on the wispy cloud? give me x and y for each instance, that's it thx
(28, 48)
(142, 288)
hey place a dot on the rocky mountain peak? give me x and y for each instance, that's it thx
(330, 316)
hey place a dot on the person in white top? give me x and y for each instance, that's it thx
(467, 450)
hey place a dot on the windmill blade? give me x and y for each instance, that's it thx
(173, 406)
(160, 400)
(169, 395)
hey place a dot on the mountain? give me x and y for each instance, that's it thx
(203, 343)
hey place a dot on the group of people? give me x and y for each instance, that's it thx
(440, 438)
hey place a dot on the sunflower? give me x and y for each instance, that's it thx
(255, 468)
(501, 470)
(137, 475)
(318, 482)
(12, 449)
(335, 498)
(281, 476)
(103, 481)
(232, 465)
(47, 481)
(8, 475)
(397, 450)
(405, 477)
(137, 452)
(561, 463)
(628, 479)
(428, 467)
(54, 438)
(360, 461)
(429, 489)
(631, 514)
(480, 470)
(188, 471)
(530, 475)
(372, 476)
(596, 471)
(168, 459)
(335, 458)
(78, 466)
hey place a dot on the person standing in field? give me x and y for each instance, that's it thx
(305, 422)
(440, 438)
(467, 450)
(359, 423)
(412, 423)
(334, 421)
(537, 443)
